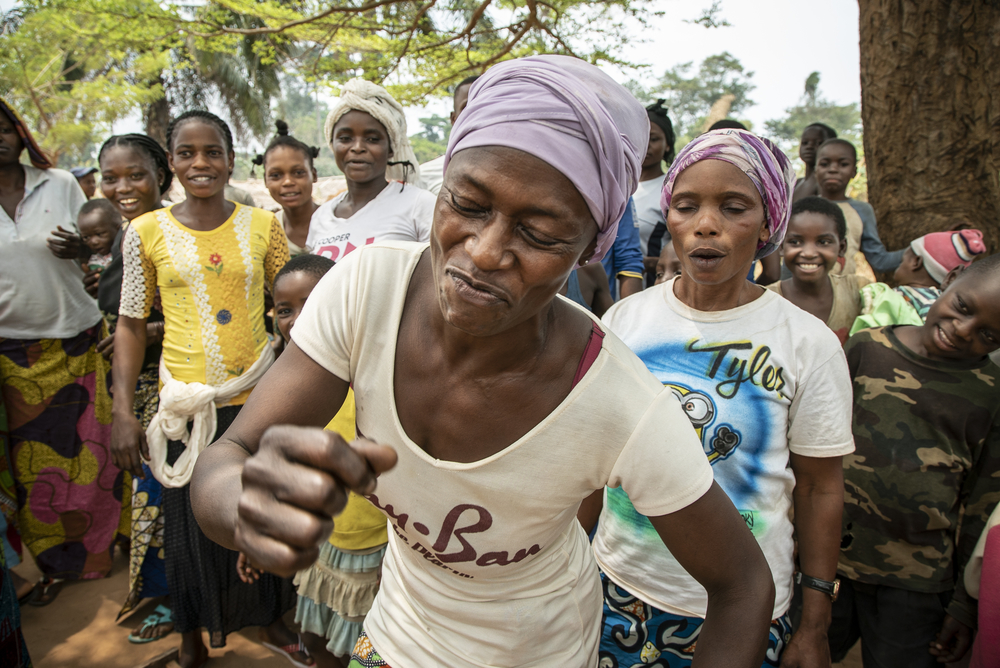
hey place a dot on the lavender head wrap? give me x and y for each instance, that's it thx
(569, 114)
(763, 162)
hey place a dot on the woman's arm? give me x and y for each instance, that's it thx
(819, 507)
(128, 439)
(270, 489)
(711, 541)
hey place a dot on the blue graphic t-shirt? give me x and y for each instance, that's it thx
(757, 382)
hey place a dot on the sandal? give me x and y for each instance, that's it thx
(46, 591)
(288, 650)
(161, 616)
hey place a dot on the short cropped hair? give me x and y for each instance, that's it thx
(841, 142)
(103, 206)
(823, 207)
(986, 268)
(314, 265)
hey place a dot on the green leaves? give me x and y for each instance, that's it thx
(74, 67)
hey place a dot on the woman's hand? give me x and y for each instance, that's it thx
(293, 487)
(128, 442)
(154, 333)
(63, 244)
(808, 648)
(106, 347)
(91, 279)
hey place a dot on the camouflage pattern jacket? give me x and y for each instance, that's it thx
(925, 474)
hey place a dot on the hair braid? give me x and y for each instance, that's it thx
(282, 138)
(148, 146)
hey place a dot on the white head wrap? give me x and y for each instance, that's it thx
(361, 95)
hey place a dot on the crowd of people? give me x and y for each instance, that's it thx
(726, 444)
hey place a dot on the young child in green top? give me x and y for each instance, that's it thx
(929, 265)
(922, 481)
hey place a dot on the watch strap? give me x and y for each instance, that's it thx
(829, 588)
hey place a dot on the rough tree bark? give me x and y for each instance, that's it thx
(930, 102)
(156, 117)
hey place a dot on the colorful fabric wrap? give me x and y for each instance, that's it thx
(13, 650)
(73, 500)
(569, 114)
(35, 153)
(361, 95)
(634, 633)
(764, 164)
(365, 655)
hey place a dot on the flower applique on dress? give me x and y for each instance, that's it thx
(215, 264)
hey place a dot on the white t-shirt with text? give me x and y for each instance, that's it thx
(487, 564)
(757, 382)
(398, 213)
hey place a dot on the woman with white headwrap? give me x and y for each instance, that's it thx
(367, 134)
(767, 387)
(488, 407)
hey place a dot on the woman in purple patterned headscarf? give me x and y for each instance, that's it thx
(766, 166)
(497, 406)
(765, 383)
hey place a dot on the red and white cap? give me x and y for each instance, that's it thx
(943, 251)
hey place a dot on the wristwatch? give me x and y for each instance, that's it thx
(831, 589)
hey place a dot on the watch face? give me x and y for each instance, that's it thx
(836, 589)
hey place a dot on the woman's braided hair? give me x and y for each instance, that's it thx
(149, 147)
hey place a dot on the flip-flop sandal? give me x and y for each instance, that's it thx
(287, 651)
(45, 591)
(161, 615)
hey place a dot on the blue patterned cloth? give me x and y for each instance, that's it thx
(634, 634)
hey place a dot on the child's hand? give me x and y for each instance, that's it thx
(246, 571)
(952, 641)
(91, 279)
(106, 347)
(63, 244)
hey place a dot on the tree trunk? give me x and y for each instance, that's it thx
(930, 102)
(156, 117)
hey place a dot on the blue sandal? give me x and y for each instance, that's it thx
(162, 615)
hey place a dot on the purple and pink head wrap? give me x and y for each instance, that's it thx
(569, 114)
(763, 162)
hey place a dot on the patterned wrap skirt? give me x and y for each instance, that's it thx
(147, 566)
(13, 651)
(72, 501)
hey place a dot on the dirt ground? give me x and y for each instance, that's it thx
(78, 630)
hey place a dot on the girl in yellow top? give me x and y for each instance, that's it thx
(208, 260)
(337, 591)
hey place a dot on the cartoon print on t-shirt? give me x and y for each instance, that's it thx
(701, 410)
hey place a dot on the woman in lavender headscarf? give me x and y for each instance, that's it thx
(488, 408)
(767, 387)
